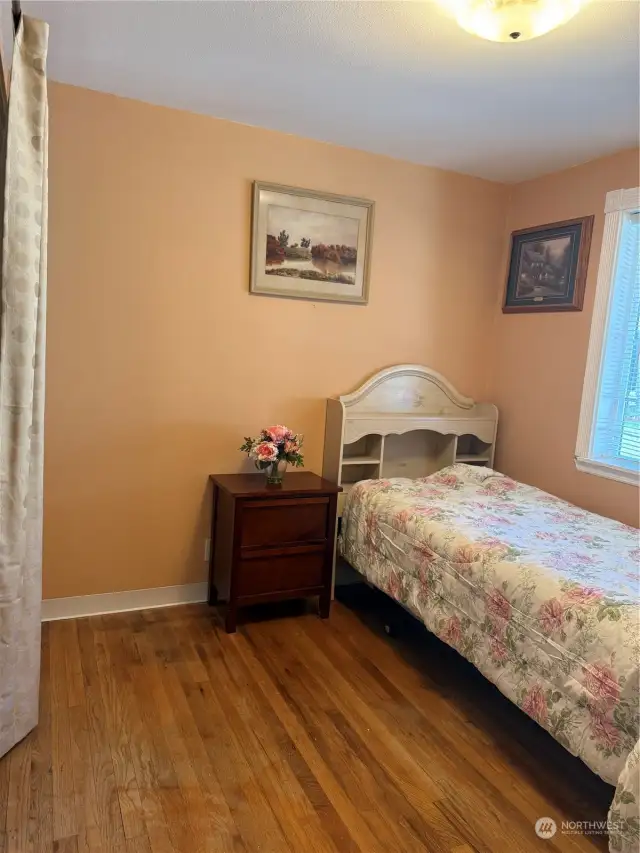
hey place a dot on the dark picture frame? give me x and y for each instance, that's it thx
(548, 267)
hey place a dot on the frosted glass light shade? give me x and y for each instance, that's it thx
(512, 20)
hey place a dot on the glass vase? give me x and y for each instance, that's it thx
(275, 472)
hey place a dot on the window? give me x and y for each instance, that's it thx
(609, 429)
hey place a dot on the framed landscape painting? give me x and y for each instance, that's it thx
(548, 267)
(310, 245)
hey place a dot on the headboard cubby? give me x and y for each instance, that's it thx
(405, 421)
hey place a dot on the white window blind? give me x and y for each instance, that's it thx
(616, 434)
(609, 432)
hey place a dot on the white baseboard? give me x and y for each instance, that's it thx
(121, 602)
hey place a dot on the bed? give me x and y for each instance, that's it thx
(541, 596)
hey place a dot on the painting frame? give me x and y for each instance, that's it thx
(571, 271)
(265, 282)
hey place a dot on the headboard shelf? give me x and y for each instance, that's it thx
(405, 421)
(360, 460)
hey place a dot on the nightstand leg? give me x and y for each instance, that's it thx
(231, 620)
(324, 605)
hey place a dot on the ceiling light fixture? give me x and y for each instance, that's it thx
(512, 20)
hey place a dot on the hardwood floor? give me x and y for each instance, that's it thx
(160, 733)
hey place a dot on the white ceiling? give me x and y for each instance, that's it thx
(396, 78)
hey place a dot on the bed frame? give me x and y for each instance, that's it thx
(405, 421)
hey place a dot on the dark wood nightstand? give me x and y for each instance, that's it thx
(269, 543)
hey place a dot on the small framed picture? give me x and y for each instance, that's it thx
(310, 245)
(548, 267)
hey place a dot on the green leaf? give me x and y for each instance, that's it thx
(627, 797)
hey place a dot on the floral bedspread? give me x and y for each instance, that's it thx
(541, 596)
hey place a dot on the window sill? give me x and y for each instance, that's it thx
(610, 472)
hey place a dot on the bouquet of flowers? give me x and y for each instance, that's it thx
(273, 449)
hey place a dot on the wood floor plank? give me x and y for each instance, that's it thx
(41, 780)
(114, 699)
(66, 845)
(292, 809)
(145, 762)
(64, 816)
(160, 784)
(358, 829)
(393, 753)
(492, 796)
(107, 806)
(4, 800)
(89, 836)
(160, 733)
(142, 845)
(505, 781)
(222, 826)
(295, 783)
(441, 766)
(245, 798)
(312, 708)
(17, 822)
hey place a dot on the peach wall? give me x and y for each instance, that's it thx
(159, 361)
(539, 360)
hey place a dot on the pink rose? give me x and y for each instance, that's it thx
(535, 704)
(498, 650)
(583, 595)
(551, 615)
(394, 586)
(291, 446)
(497, 626)
(467, 554)
(403, 517)
(424, 555)
(429, 492)
(266, 451)
(453, 631)
(605, 732)
(492, 545)
(497, 605)
(446, 479)
(601, 682)
(426, 511)
(371, 523)
(497, 485)
(278, 433)
(424, 581)
(547, 535)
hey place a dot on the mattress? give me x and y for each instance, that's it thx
(541, 596)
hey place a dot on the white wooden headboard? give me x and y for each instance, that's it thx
(406, 420)
(407, 388)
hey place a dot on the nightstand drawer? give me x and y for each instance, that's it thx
(268, 574)
(280, 522)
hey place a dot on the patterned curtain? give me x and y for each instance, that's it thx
(22, 345)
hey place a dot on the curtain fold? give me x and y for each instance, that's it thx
(22, 348)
